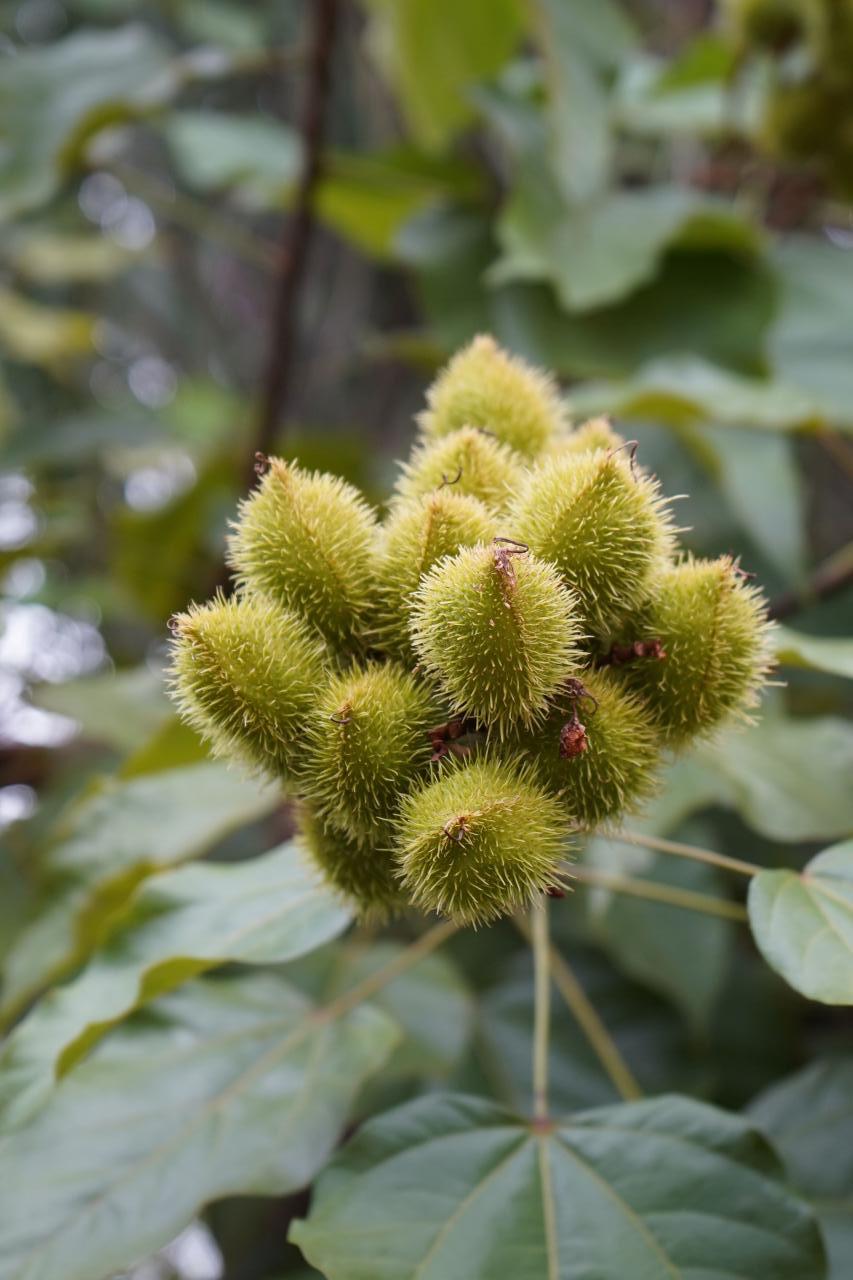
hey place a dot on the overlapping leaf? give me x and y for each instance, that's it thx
(267, 910)
(112, 840)
(448, 1188)
(238, 1087)
(809, 1119)
(803, 924)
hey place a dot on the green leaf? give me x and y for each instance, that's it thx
(110, 842)
(238, 1088)
(368, 198)
(707, 304)
(452, 1187)
(121, 708)
(433, 51)
(54, 257)
(803, 924)
(52, 98)
(36, 334)
(264, 911)
(759, 475)
(214, 149)
(598, 252)
(431, 1004)
(809, 1120)
(808, 343)
(676, 952)
(579, 140)
(818, 653)
(788, 778)
(684, 388)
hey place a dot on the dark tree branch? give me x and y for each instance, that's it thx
(834, 575)
(298, 229)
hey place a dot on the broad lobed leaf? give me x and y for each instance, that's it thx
(267, 910)
(238, 1087)
(452, 1188)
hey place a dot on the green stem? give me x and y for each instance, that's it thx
(419, 950)
(541, 1004)
(687, 851)
(594, 1029)
(669, 894)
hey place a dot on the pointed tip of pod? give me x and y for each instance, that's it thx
(603, 523)
(480, 841)
(417, 534)
(590, 437)
(484, 386)
(467, 461)
(305, 540)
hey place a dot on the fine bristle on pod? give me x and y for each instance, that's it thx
(364, 872)
(602, 523)
(467, 461)
(484, 386)
(368, 740)
(305, 540)
(480, 841)
(598, 749)
(245, 675)
(499, 631)
(699, 651)
(416, 535)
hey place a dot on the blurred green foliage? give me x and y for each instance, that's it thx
(590, 181)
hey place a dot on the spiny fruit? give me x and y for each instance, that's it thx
(306, 540)
(364, 871)
(593, 435)
(468, 461)
(446, 701)
(484, 386)
(500, 632)
(367, 741)
(244, 675)
(602, 523)
(479, 841)
(711, 625)
(417, 534)
(598, 749)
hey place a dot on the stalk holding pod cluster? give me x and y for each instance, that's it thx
(504, 659)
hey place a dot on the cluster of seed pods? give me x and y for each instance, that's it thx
(506, 659)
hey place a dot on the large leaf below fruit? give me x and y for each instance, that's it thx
(240, 1088)
(451, 1188)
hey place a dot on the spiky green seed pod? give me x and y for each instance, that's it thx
(499, 630)
(368, 739)
(592, 436)
(484, 386)
(364, 872)
(603, 524)
(468, 461)
(598, 749)
(480, 841)
(306, 539)
(245, 675)
(416, 536)
(712, 626)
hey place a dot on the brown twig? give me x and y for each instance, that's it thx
(834, 575)
(299, 227)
